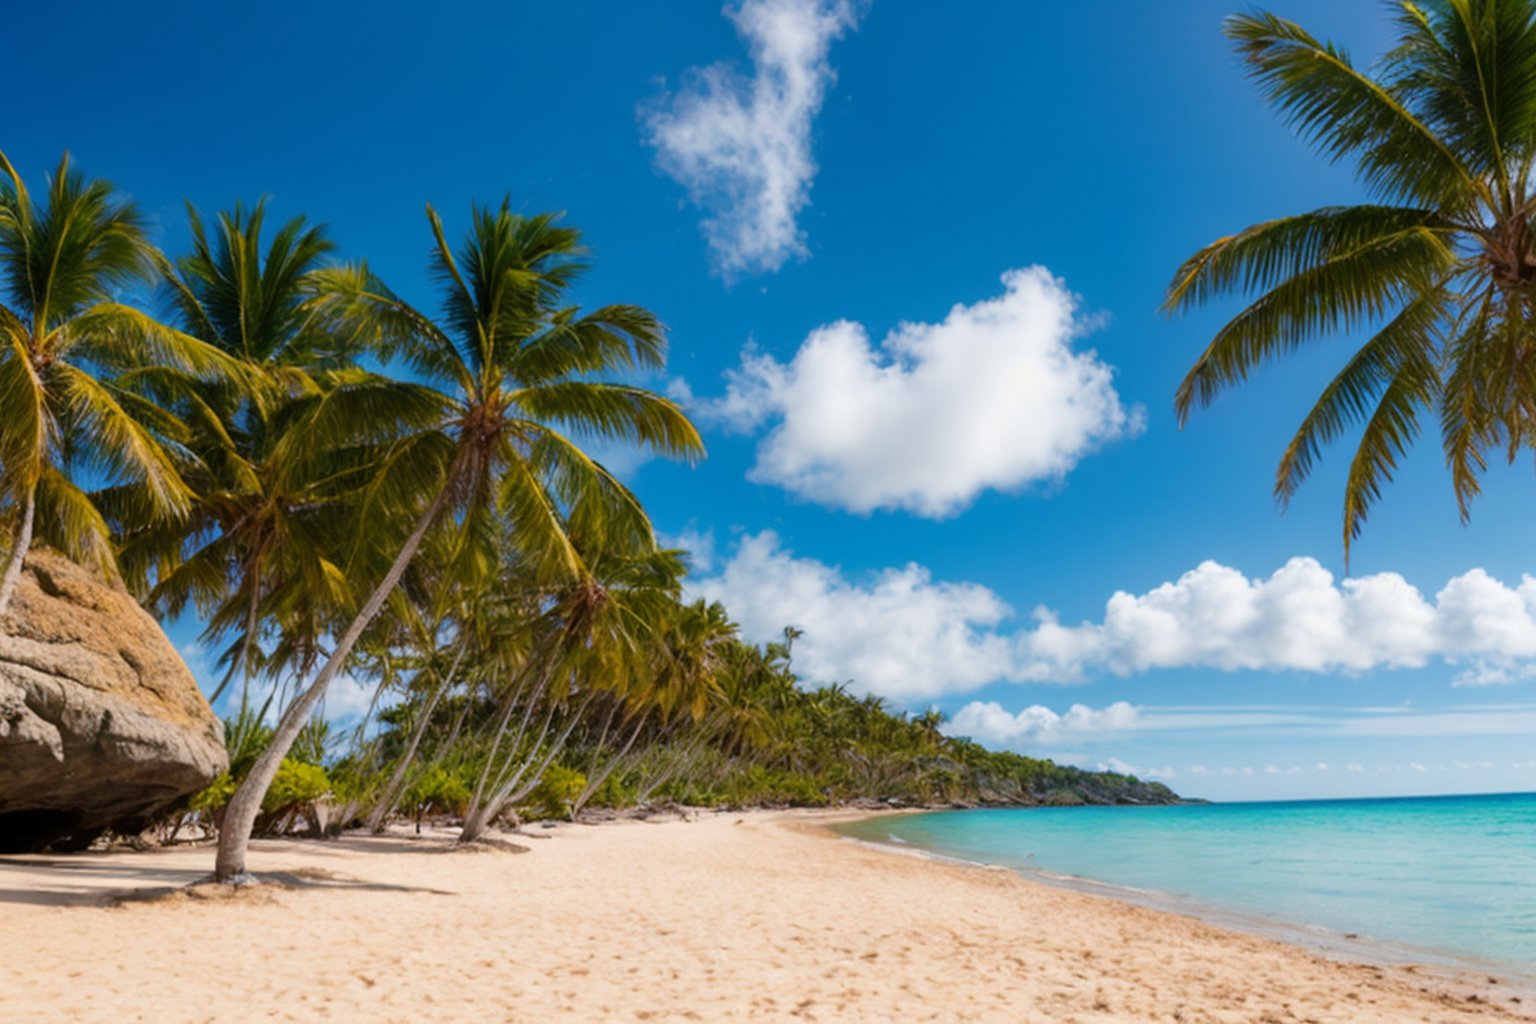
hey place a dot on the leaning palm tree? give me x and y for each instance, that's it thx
(1438, 268)
(520, 370)
(69, 413)
(261, 548)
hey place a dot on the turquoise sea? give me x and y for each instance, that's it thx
(1443, 879)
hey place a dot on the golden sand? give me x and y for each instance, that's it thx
(728, 917)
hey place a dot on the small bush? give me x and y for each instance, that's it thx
(614, 792)
(557, 791)
(438, 791)
(296, 783)
(213, 796)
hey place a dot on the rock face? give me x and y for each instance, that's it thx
(101, 723)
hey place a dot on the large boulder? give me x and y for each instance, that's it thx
(101, 723)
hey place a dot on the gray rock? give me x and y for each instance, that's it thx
(101, 723)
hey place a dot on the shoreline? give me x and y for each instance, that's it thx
(1345, 948)
(723, 916)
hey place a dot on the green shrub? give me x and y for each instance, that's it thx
(557, 791)
(296, 783)
(614, 792)
(213, 796)
(436, 790)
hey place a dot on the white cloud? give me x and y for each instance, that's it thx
(700, 545)
(348, 699)
(994, 397)
(898, 633)
(742, 145)
(990, 724)
(905, 635)
(1299, 618)
(1114, 764)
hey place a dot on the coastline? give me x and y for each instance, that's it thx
(761, 915)
(1343, 947)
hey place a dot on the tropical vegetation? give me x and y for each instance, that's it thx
(759, 737)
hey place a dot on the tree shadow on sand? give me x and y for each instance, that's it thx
(117, 884)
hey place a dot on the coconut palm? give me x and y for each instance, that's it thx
(264, 543)
(592, 657)
(1438, 267)
(674, 683)
(520, 370)
(70, 413)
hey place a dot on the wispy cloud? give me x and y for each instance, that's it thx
(742, 144)
(990, 722)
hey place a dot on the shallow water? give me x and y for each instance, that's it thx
(1453, 877)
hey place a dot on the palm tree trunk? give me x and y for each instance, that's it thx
(509, 705)
(21, 543)
(492, 771)
(391, 794)
(680, 759)
(245, 805)
(509, 791)
(601, 775)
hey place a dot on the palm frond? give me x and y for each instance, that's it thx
(1406, 341)
(123, 444)
(617, 412)
(1346, 113)
(1343, 292)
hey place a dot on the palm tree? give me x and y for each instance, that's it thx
(593, 650)
(70, 412)
(519, 370)
(262, 546)
(1440, 265)
(677, 686)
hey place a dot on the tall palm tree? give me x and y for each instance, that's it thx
(1439, 266)
(519, 369)
(70, 415)
(265, 542)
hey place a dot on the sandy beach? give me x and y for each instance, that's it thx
(759, 916)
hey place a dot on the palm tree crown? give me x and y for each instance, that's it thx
(1440, 267)
(72, 410)
(521, 372)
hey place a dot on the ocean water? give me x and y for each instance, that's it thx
(1442, 879)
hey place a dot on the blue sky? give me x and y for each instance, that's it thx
(909, 499)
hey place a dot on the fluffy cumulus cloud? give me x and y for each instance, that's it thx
(991, 724)
(994, 396)
(1300, 618)
(901, 633)
(898, 632)
(742, 144)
